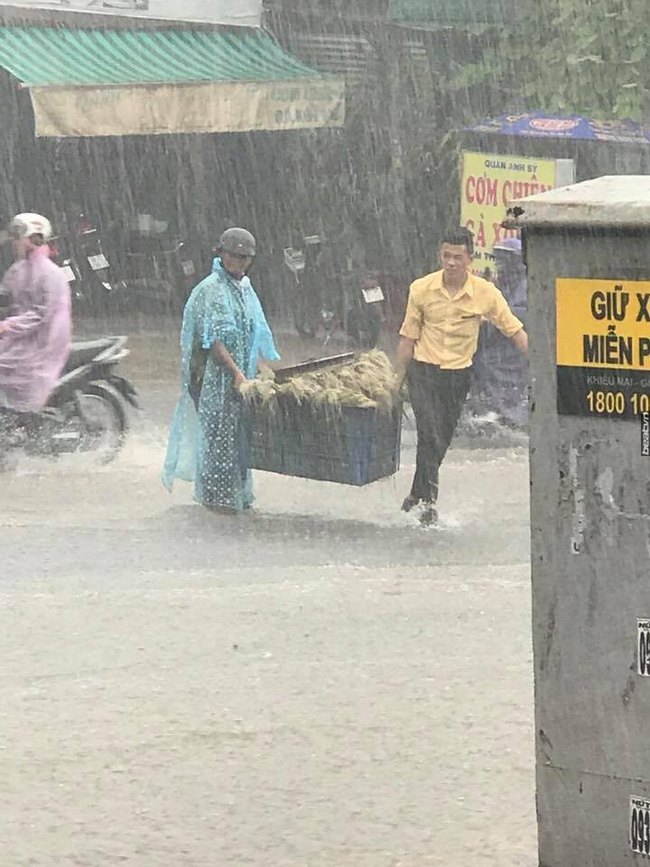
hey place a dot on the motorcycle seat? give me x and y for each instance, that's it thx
(85, 351)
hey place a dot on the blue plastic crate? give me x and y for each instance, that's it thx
(350, 445)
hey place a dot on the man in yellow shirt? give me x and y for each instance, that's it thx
(438, 340)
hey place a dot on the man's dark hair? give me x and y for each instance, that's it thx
(459, 237)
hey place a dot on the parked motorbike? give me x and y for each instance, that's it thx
(160, 267)
(96, 270)
(366, 314)
(86, 412)
(313, 313)
(94, 287)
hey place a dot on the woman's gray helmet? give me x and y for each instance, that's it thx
(239, 242)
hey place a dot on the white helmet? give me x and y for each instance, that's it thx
(26, 225)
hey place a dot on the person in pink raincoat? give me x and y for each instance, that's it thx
(35, 337)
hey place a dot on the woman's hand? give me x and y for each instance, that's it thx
(225, 360)
(239, 380)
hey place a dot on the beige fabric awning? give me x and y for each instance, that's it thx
(187, 108)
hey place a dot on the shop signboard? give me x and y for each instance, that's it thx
(243, 13)
(490, 184)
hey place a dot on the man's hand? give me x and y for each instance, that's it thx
(520, 339)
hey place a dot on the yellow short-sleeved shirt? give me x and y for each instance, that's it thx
(446, 328)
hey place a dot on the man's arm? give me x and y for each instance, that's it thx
(403, 359)
(409, 335)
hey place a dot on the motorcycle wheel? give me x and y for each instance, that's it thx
(305, 320)
(104, 422)
(94, 421)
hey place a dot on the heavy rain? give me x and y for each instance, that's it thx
(273, 444)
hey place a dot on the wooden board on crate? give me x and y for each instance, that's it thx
(282, 374)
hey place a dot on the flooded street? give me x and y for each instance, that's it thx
(312, 237)
(318, 682)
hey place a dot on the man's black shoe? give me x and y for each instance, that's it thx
(409, 503)
(428, 515)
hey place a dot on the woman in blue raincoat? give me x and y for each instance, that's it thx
(223, 336)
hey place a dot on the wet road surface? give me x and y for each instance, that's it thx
(319, 682)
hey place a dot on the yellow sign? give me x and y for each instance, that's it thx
(603, 347)
(603, 323)
(491, 182)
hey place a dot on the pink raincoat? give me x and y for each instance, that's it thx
(36, 343)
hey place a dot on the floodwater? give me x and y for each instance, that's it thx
(319, 682)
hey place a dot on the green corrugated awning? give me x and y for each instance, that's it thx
(49, 56)
(120, 82)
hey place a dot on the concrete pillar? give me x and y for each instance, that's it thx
(588, 254)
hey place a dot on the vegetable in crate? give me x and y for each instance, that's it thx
(365, 382)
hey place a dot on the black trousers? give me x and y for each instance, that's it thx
(437, 397)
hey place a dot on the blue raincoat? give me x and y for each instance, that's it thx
(208, 439)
